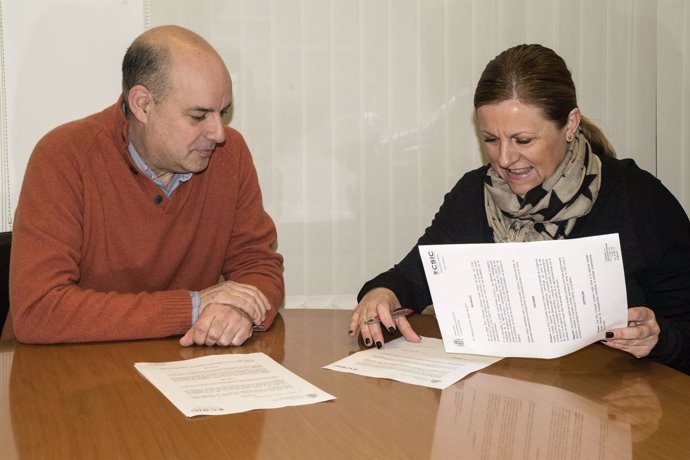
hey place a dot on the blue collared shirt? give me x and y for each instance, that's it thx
(177, 179)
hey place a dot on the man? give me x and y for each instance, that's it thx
(128, 218)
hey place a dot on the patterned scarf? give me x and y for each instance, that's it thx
(549, 210)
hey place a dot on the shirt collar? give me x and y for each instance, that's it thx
(177, 179)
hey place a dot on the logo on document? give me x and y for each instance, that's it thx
(433, 262)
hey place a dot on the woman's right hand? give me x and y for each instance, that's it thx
(379, 301)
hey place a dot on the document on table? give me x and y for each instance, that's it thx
(228, 384)
(425, 363)
(539, 299)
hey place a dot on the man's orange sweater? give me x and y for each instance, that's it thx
(100, 253)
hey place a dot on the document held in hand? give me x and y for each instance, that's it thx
(540, 299)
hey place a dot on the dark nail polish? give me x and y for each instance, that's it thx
(379, 345)
(367, 342)
(609, 335)
(391, 330)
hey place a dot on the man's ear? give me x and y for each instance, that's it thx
(139, 101)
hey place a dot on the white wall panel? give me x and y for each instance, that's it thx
(288, 140)
(433, 100)
(617, 100)
(639, 138)
(347, 129)
(541, 22)
(591, 62)
(673, 98)
(318, 153)
(61, 60)
(461, 152)
(402, 143)
(374, 114)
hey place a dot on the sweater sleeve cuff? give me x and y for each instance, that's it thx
(176, 316)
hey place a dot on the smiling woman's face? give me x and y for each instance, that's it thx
(523, 147)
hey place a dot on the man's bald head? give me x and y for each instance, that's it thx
(148, 59)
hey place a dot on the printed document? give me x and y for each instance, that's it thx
(539, 299)
(228, 384)
(425, 363)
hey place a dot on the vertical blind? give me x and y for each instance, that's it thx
(359, 112)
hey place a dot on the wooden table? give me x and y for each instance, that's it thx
(88, 401)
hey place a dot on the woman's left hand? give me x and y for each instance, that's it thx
(641, 335)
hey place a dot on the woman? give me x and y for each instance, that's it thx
(552, 174)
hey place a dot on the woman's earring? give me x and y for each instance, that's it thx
(569, 138)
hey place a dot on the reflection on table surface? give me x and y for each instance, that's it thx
(88, 401)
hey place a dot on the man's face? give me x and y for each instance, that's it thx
(181, 129)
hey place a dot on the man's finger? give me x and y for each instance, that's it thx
(188, 338)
